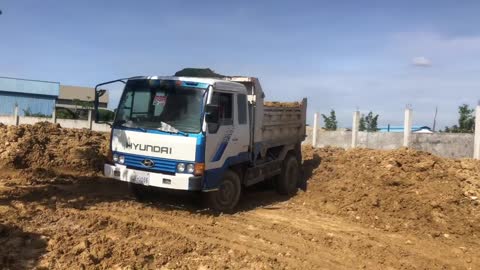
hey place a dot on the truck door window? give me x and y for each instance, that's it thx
(225, 107)
(242, 109)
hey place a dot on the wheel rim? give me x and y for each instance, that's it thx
(226, 193)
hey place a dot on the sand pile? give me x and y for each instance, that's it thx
(48, 146)
(281, 104)
(396, 190)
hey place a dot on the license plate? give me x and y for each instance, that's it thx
(142, 178)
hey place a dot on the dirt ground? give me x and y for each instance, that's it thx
(362, 209)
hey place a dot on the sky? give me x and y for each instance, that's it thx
(375, 56)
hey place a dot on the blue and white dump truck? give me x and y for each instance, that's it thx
(213, 135)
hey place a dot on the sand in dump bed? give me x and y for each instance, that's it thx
(363, 209)
(281, 104)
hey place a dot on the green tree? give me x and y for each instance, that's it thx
(105, 115)
(363, 123)
(466, 120)
(65, 113)
(369, 122)
(330, 121)
(28, 112)
(82, 107)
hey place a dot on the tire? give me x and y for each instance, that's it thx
(228, 194)
(287, 181)
(140, 192)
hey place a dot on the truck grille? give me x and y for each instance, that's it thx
(160, 164)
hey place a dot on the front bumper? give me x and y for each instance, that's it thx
(179, 181)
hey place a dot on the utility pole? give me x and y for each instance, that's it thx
(435, 118)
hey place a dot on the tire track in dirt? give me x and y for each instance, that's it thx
(213, 231)
(286, 234)
(281, 235)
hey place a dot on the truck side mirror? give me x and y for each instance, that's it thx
(211, 114)
(98, 94)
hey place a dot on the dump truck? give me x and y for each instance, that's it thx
(214, 135)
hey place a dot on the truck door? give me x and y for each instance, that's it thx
(241, 137)
(231, 137)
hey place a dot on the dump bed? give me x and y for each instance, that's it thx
(284, 122)
(273, 123)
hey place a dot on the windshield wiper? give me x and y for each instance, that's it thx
(120, 123)
(181, 133)
(174, 132)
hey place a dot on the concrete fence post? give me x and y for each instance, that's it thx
(407, 126)
(355, 127)
(54, 116)
(16, 116)
(315, 130)
(476, 149)
(90, 119)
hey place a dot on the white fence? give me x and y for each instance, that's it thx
(66, 123)
(443, 144)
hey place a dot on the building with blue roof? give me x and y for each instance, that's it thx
(35, 97)
(400, 129)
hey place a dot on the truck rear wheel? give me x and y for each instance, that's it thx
(287, 181)
(228, 194)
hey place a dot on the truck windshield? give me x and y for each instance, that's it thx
(160, 105)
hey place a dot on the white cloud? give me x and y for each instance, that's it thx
(448, 51)
(421, 61)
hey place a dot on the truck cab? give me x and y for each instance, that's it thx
(189, 133)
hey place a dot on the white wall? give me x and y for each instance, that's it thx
(452, 145)
(66, 123)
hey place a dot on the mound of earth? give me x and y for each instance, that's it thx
(398, 190)
(48, 146)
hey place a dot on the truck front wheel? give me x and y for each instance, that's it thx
(287, 181)
(228, 194)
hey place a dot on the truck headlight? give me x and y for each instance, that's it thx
(121, 159)
(180, 167)
(115, 158)
(190, 168)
